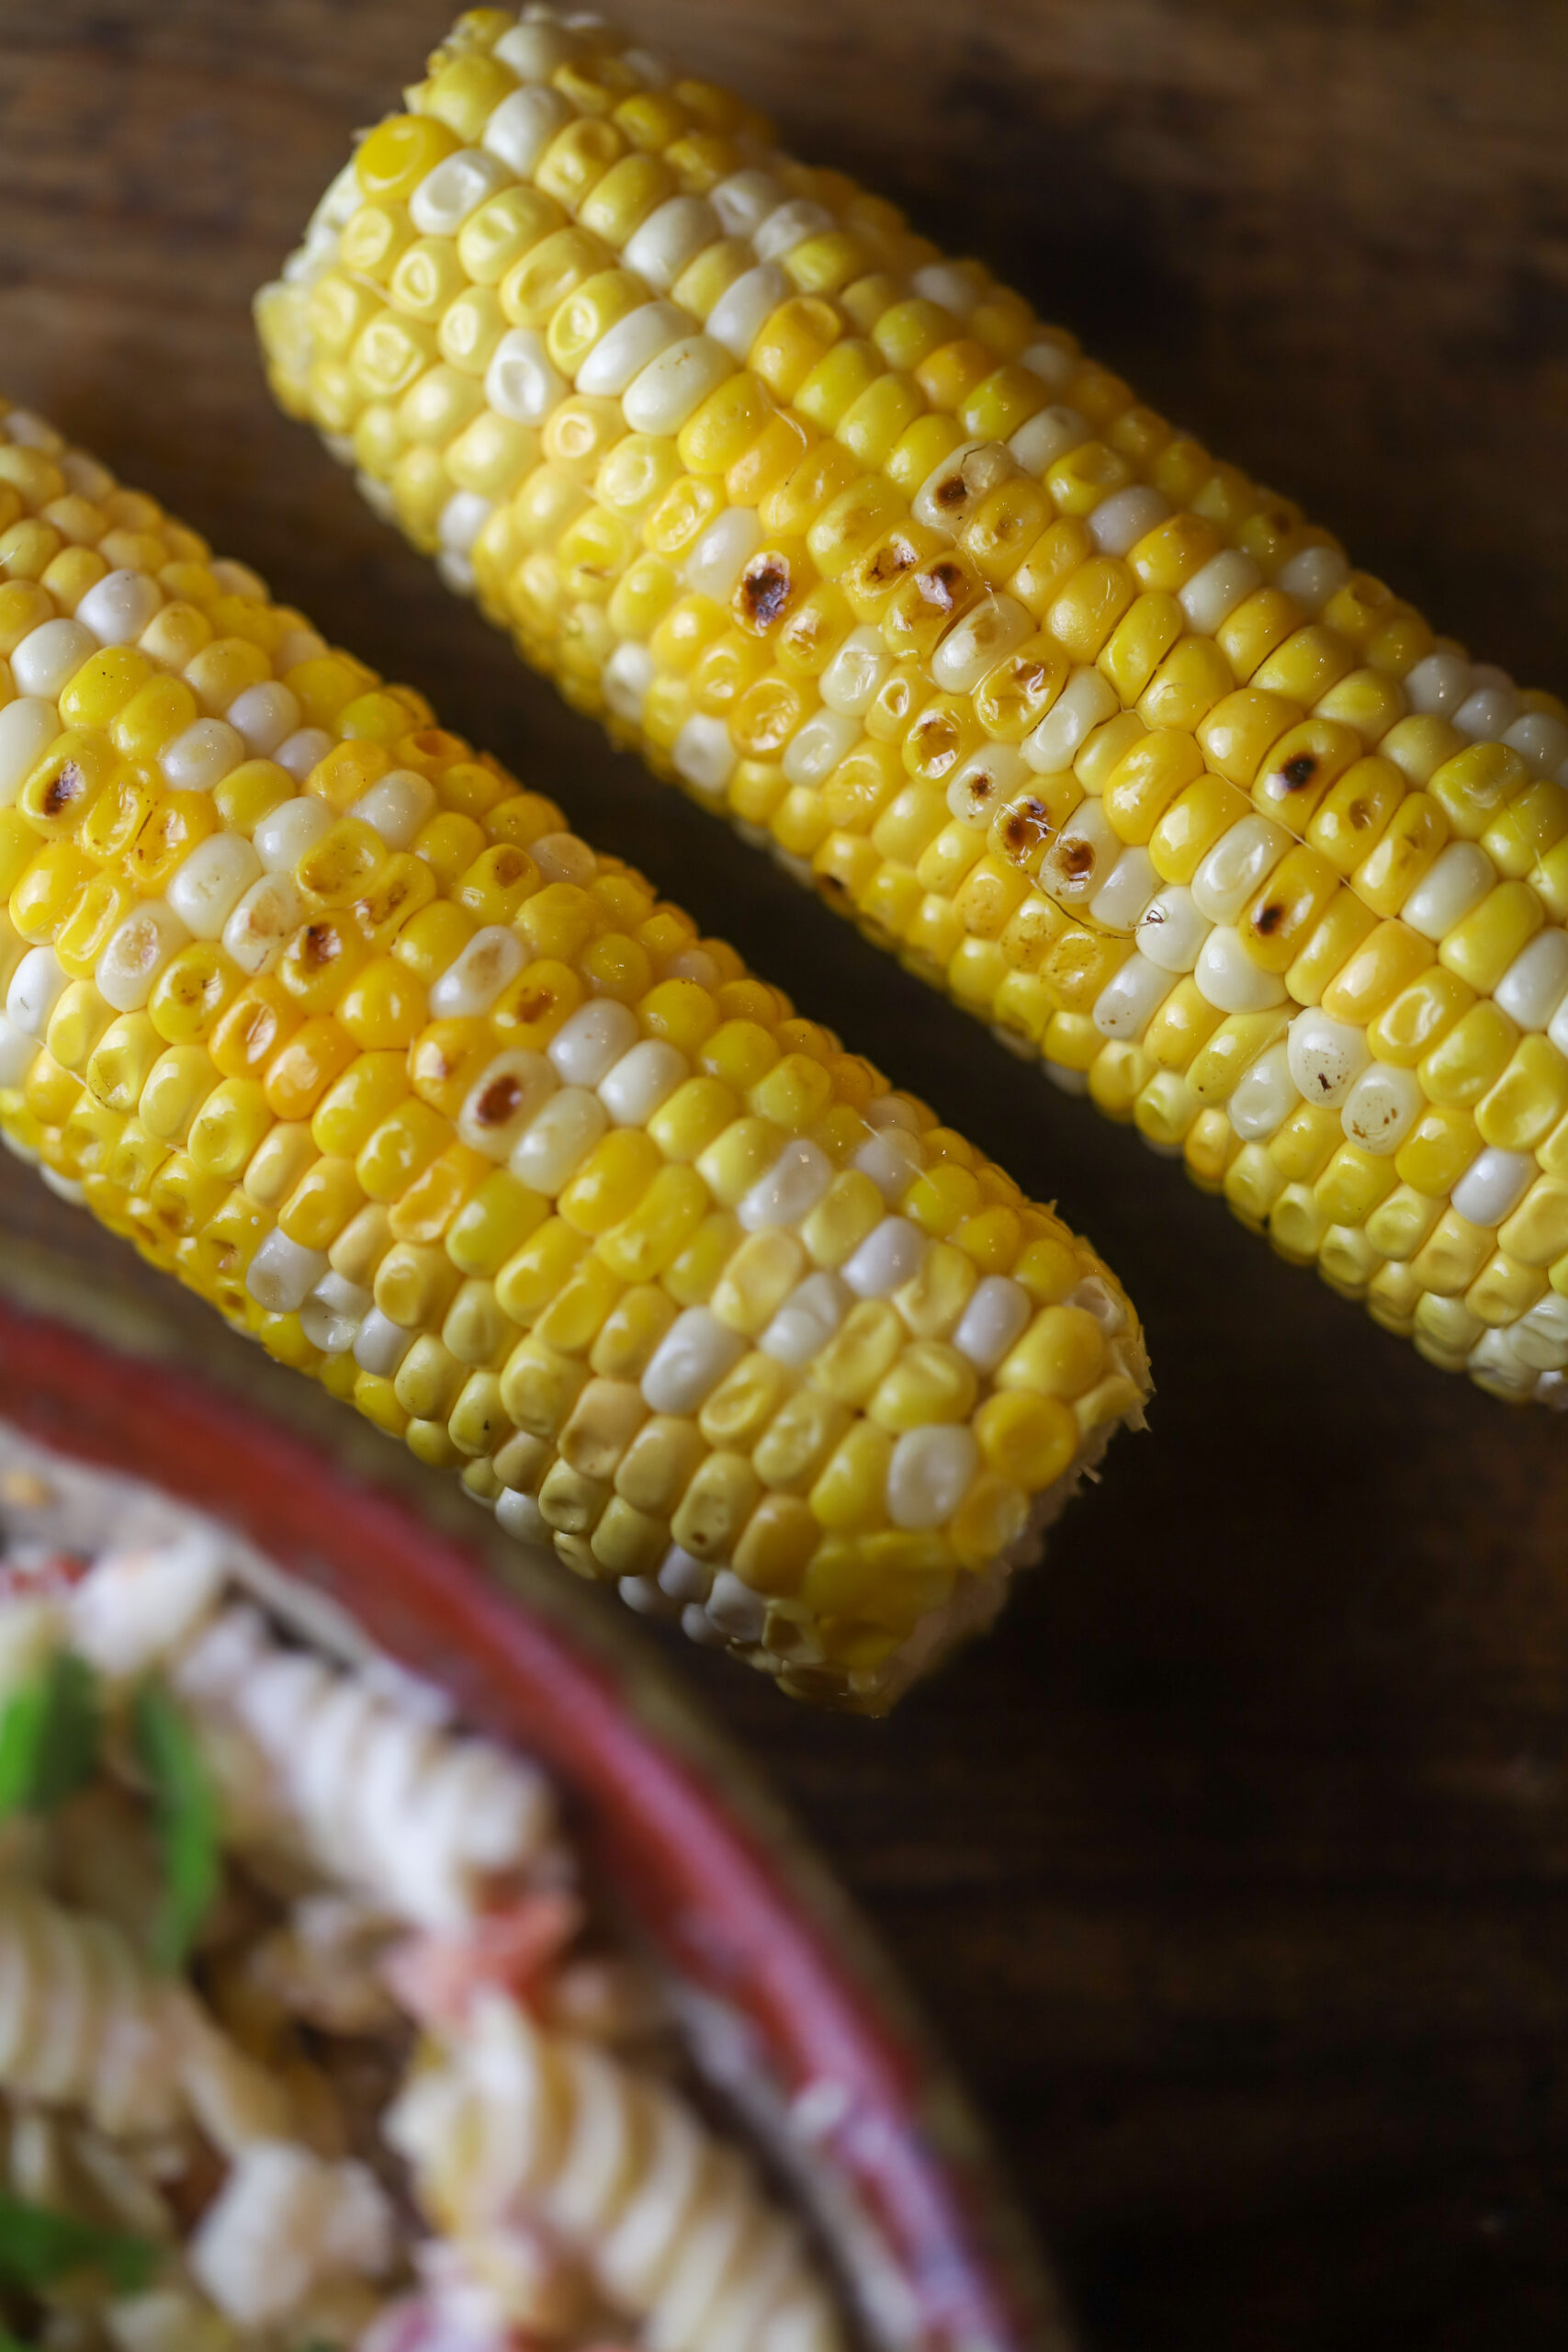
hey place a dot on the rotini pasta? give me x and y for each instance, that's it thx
(673, 2227)
(382, 2101)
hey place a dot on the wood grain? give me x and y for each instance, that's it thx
(1234, 1869)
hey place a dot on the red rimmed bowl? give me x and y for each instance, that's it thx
(785, 2000)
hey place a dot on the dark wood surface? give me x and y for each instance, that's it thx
(1234, 1868)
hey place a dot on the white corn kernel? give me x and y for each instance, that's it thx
(986, 781)
(1438, 685)
(302, 751)
(888, 1257)
(288, 831)
(534, 50)
(462, 519)
(1240, 861)
(999, 1313)
(633, 1090)
(1131, 998)
(137, 952)
(1457, 881)
(1214, 593)
(333, 1314)
(1119, 522)
(1170, 930)
(1327, 1057)
(1085, 703)
(704, 754)
(1494, 1184)
(1053, 433)
(816, 749)
(587, 1045)
(1382, 1108)
(665, 393)
(958, 285)
(1536, 982)
(1079, 859)
(624, 350)
(1264, 1096)
(50, 656)
(1056, 363)
(208, 884)
(1313, 577)
(743, 201)
(1487, 712)
(736, 1611)
(1126, 891)
(689, 1361)
(119, 606)
(659, 248)
(473, 979)
(207, 750)
(283, 1273)
(458, 185)
(522, 125)
(522, 382)
(743, 310)
(892, 1159)
(807, 1321)
(853, 676)
(263, 921)
(18, 1051)
(397, 807)
(1228, 978)
(725, 547)
(520, 1516)
(1537, 737)
(503, 1101)
(791, 1188)
(788, 226)
(629, 673)
(929, 1475)
(36, 986)
(27, 727)
(558, 1139)
(562, 857)
(985, 634)
(684, 1578)
(264, 716)
(952, 491)
(380, 1344)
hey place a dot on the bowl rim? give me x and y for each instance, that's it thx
(721, 1895)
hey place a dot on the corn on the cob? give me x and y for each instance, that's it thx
(1095, 733)
(351, 1034)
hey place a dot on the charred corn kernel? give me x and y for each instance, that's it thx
(634, 1338)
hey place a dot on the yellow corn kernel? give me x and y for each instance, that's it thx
(321, 1204)
(1470, 1058)
(1480, 949)
(1528, 1099)
(658, 1464)
(1437, 1149)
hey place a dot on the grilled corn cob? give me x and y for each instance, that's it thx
(352, 1036)
(1091, 731)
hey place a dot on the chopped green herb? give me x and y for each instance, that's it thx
(185, 1806)
(37, 2248)
(49, 1737)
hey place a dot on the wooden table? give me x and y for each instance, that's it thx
(1234, 1868)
